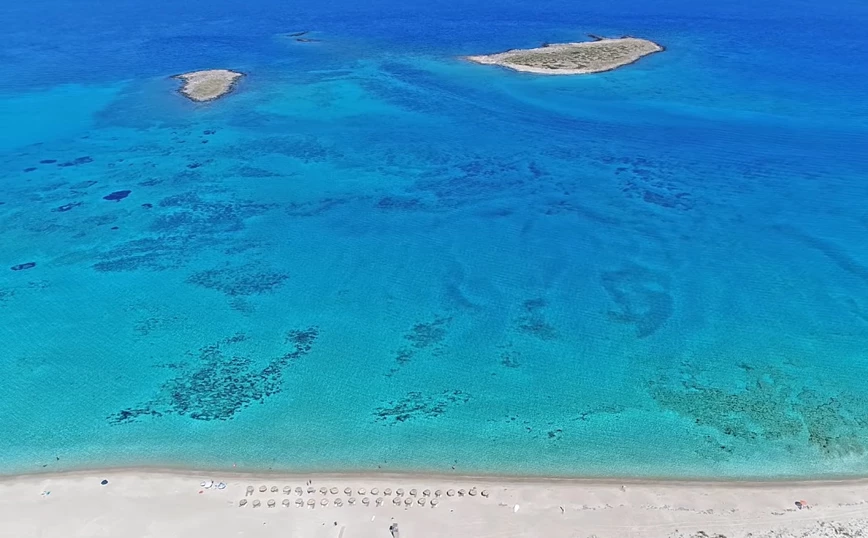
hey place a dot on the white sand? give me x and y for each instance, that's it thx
(209, 84)
(573, 58)
(139, 503)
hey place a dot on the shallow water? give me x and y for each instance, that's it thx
(376, 256)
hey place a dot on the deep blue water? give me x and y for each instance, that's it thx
(374, 255)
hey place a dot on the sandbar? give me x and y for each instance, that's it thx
(170, 504)
(573, 58)
(208, 85)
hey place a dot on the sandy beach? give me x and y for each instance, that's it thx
(168, 504)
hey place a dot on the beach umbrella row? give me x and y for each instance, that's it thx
(311, 490)
(366, 501)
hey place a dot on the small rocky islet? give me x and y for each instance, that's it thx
(208, 85)
(602, 54)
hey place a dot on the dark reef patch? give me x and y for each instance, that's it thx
(48, 161)
(419, 405)
(424, 335)
(117, 196)
(222, 380)
(533, 321)
(764, 405)
(84, 185)
(238, 281)
(66, 207)
(252, 171)
(100, 220)
(642, 298)
(318, 207)
(23, 266)
(76, 162)
(29, 169)
(184, 225)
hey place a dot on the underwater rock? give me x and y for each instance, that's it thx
(48, 161)
(23, 266)
(117, 196)
(30, 169)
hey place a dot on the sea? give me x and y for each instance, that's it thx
(375, 256)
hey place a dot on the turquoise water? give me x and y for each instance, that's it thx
(373, 255)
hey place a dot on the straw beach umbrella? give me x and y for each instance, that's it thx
(408, 501)
(285, 503)
(399, 492)
(249, 490)
(242, 502)
(287, 490)
(311, 503)
(333, 490)
(299, 491)
(263, 489)
(274, 489)
(387, 492)
(348, 491)
(485, 493)
(299, 502)
(256, 503)
(366, 501)
(271, 503)
(379, 501)
(396, 501)
(472, 491)
(450, 493)
(434, 502)
(438, 493)
(324, 502)
(421, 501)
(351, 500)
(461, 492)
(374, 491)
(339, 502)
(323, 490)
(427, 493)
(413, 492)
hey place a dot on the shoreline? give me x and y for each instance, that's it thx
(136, 502)
(402, 475)
(744, 480)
